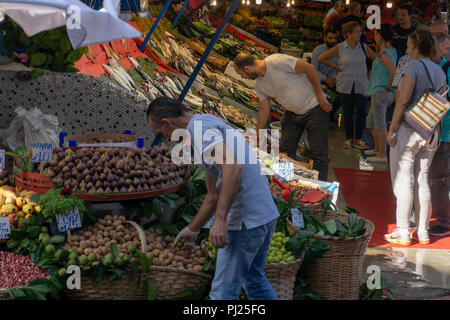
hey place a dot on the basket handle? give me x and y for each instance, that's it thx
(141, 234)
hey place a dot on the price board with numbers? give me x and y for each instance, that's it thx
(2, 159)
(68, 221)
(285, 170)
(42, 152)
(5, 228)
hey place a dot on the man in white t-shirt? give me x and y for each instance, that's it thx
(295, 85)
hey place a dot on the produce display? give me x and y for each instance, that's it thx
(277, 251)
(17, 270)
(16, 205)
(237, 116)
(113, 170)
(299, 187)
(167, 254)
(47, 50)
(5, 178)
(92, 244)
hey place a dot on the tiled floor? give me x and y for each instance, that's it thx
(416, 273)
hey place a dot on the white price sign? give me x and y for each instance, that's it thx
(2, 159)
(68, 221)
(297, 218)
(285, 170)
(5, 228)
(42, 152)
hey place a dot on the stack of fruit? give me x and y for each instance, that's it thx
(299, 187)
(17, 270)
(113, 170)
(277, 251)
(92, 243)
(16, 205)
(176, 256)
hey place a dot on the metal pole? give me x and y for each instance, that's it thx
(210, 46)
(155, 24)
(180, 13)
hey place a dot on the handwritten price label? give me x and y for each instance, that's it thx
(5, 228)
(42, 152)
(2, 159)
(297, 218)
(285, 170)
(68, 221)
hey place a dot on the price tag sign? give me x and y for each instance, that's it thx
(285, 170)
(42, 152)
(5, 228)
(68, 221)
(2, 159)
(209, 224)
(297, 218)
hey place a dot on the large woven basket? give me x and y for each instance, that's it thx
(338, 275)
(125, 288)
(282, 277)
(171, 281)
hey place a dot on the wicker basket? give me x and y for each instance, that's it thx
(171, 281)
(126, 288)
(337, 276)
(282, 277)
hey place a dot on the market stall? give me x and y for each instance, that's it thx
(99, 95)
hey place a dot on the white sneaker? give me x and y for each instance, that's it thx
(370, 153)
(377, 159)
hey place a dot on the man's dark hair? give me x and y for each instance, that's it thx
(244, 60)
(331, 30)
(165, 107)
(406, 7)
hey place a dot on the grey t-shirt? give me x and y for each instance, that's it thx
(416, 70)
(254, 205)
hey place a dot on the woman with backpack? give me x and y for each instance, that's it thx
(411, 154)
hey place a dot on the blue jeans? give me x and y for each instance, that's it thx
(241, 264)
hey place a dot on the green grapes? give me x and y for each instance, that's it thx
(277, 251)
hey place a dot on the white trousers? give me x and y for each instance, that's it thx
(410, 162)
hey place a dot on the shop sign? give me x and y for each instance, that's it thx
(68, 221)
(5, 228)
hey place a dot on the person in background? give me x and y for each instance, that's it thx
(411, 155)
(352, 81)
(354, 14)
(330, 12)
(185, 20)
(381, 92)
(333, 19)
(403, 29)
(440, 166)
(327, 74)
(295, 85)
(238, 197)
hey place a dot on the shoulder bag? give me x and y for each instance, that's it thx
(426, 115)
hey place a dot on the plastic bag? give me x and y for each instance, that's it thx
(30, 127)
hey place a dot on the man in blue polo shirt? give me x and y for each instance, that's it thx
(238, 197)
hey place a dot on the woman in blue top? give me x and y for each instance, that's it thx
(380, 89)
(351, 80)
(411, 155)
